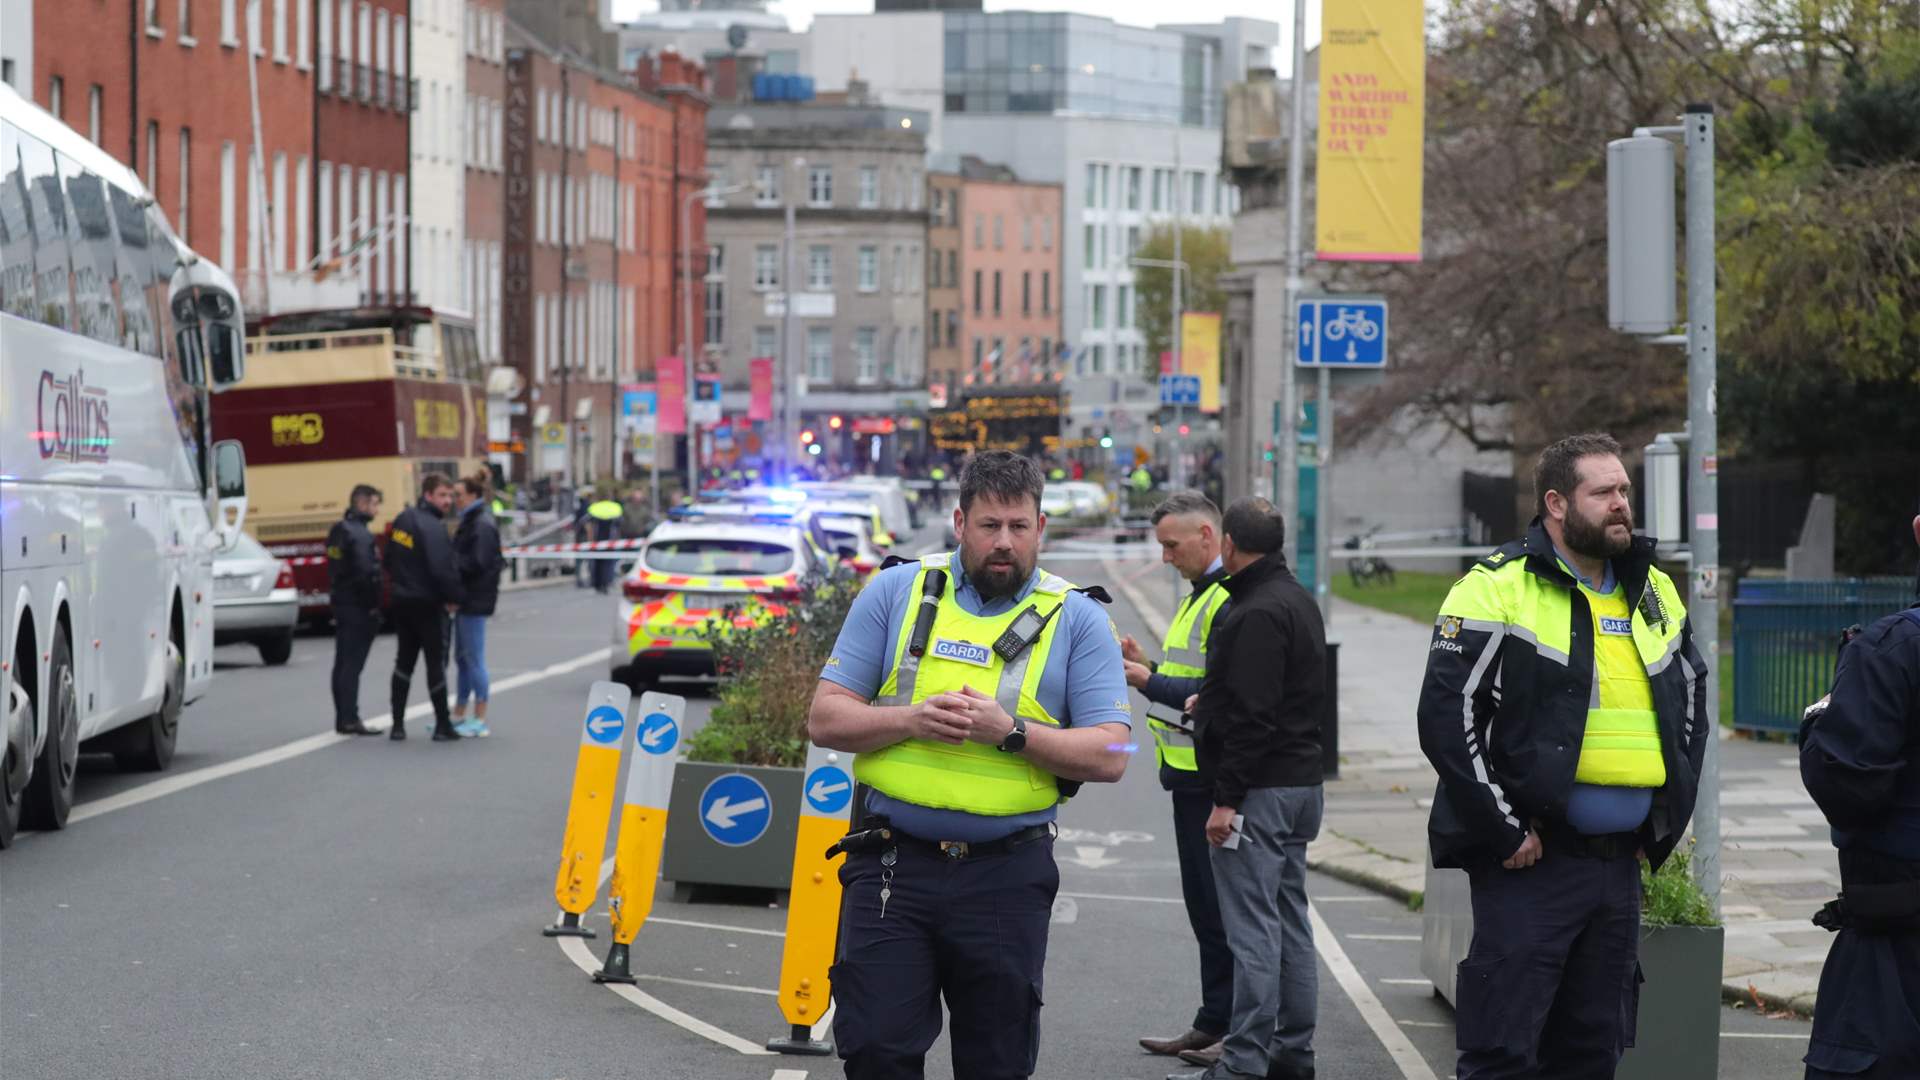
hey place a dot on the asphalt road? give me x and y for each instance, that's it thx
(285, 904)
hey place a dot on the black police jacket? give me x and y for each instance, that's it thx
(1257, 723)
(1503, 709)
(1860, 754)
(476, 551)
(353, 565)
(420, 557)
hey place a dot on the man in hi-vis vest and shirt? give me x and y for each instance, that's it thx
(970, 685)
(1187, 526)
(1565, 711)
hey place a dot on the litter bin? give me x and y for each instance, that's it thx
(1330, 717)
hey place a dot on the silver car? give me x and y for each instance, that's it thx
(254, 600)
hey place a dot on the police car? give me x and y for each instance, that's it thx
(852, 541)
(694, 572)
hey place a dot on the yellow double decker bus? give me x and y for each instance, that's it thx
(376, 395)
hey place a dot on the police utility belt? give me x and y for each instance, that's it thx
(882, 836)
(1892, 908)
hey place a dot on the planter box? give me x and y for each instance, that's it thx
(1679, 1030)
(1678, 1036)
(711, 846)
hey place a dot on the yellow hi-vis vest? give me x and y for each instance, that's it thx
(1185, 656)
(1621, 747)
(972, 777)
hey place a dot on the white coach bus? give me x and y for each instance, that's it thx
(112, 498)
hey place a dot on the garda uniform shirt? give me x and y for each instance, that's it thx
(1595, 809)
(1083, 683)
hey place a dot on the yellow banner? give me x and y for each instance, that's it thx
(1373, 68)
(1200, 355)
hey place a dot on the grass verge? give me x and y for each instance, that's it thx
(1415, 594)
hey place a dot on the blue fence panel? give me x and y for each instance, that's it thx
(1784, 637)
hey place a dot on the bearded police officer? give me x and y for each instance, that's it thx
(1860, 759)
(969, 685)
(1564, 709)
(1187, 525)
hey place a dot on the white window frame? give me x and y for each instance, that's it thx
(866, 356)
(229, 27)
(280, 36)
(869, 187)
(820, 359)
(820, 186)
(766, 268)
(766, 185)
(324, 74)
(868, 268)
(820, 267)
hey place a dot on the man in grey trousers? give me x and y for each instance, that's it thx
(1257, 742)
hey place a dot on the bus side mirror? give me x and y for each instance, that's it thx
(230, 490)
(226, 356)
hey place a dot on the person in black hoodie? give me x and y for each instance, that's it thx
(1257, 743)
(353, 572)
(426, 586)
(476, 551)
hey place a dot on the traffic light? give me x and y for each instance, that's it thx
(835, 422)
(806, 438)
(1106, 439)
(814, 449)
(1185, 429)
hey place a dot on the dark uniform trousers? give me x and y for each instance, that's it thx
(353, 630)
(1551, 987)
(420, 628)
(1191, 807)
(972, 929)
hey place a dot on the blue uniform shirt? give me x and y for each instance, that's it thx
(1082, 684)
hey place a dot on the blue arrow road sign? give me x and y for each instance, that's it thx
(828, 789)
(659, 734)
(735, 810)
(1332, 331)
(1179, 389)
(605, 724)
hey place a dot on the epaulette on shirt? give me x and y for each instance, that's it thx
(1504, 554)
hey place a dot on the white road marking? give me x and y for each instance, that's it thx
(1399, 1048)
(287, 751)
(1763, 1035)
(1091, 857)
(1383, 937)
(1352, 899)
(583, 958)
(1065, 911)
(708, 985)
(1425, 1023)
(717, 926)
(1407, 982)
(789, 1074)
(1130, 899)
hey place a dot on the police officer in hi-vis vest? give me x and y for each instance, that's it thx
(970, 685)
(1565, 711)
(1187, 525)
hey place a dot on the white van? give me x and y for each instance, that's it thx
(112, 335)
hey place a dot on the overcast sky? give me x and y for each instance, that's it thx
(800, 13)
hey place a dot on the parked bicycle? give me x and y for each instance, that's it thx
(1364, 570)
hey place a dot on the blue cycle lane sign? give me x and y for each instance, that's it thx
(659, 733)
(1341, 331)
(735, 810)
(828, 789)
(605, 725)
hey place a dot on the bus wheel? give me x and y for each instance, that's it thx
(17, 709)
(151, 747)
(50, 792)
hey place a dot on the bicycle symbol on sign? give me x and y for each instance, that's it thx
(1351, 319)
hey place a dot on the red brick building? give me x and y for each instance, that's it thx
(163, 86)
(594, 164)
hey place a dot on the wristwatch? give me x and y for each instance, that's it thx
(1016, 739)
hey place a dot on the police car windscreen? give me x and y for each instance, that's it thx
(708, 557)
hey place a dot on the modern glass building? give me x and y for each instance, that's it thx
(1029, 62)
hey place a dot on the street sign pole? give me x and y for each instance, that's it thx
(1323, 501)
(1702, 370)
(1288, 494)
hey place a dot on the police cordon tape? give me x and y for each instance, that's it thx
(652, 742)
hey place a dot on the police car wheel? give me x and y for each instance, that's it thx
(49, 795)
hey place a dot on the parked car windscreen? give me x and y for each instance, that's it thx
(701, 556)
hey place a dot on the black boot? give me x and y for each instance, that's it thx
(355, 728)
(398, 731)
(444, 732)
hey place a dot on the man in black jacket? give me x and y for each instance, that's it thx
(426, 587)
(1257, 742)
(353, 572)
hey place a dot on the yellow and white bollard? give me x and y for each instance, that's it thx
(813, 901)
(590, 810)
(643, 827)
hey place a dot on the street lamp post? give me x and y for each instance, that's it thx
(686, 340)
